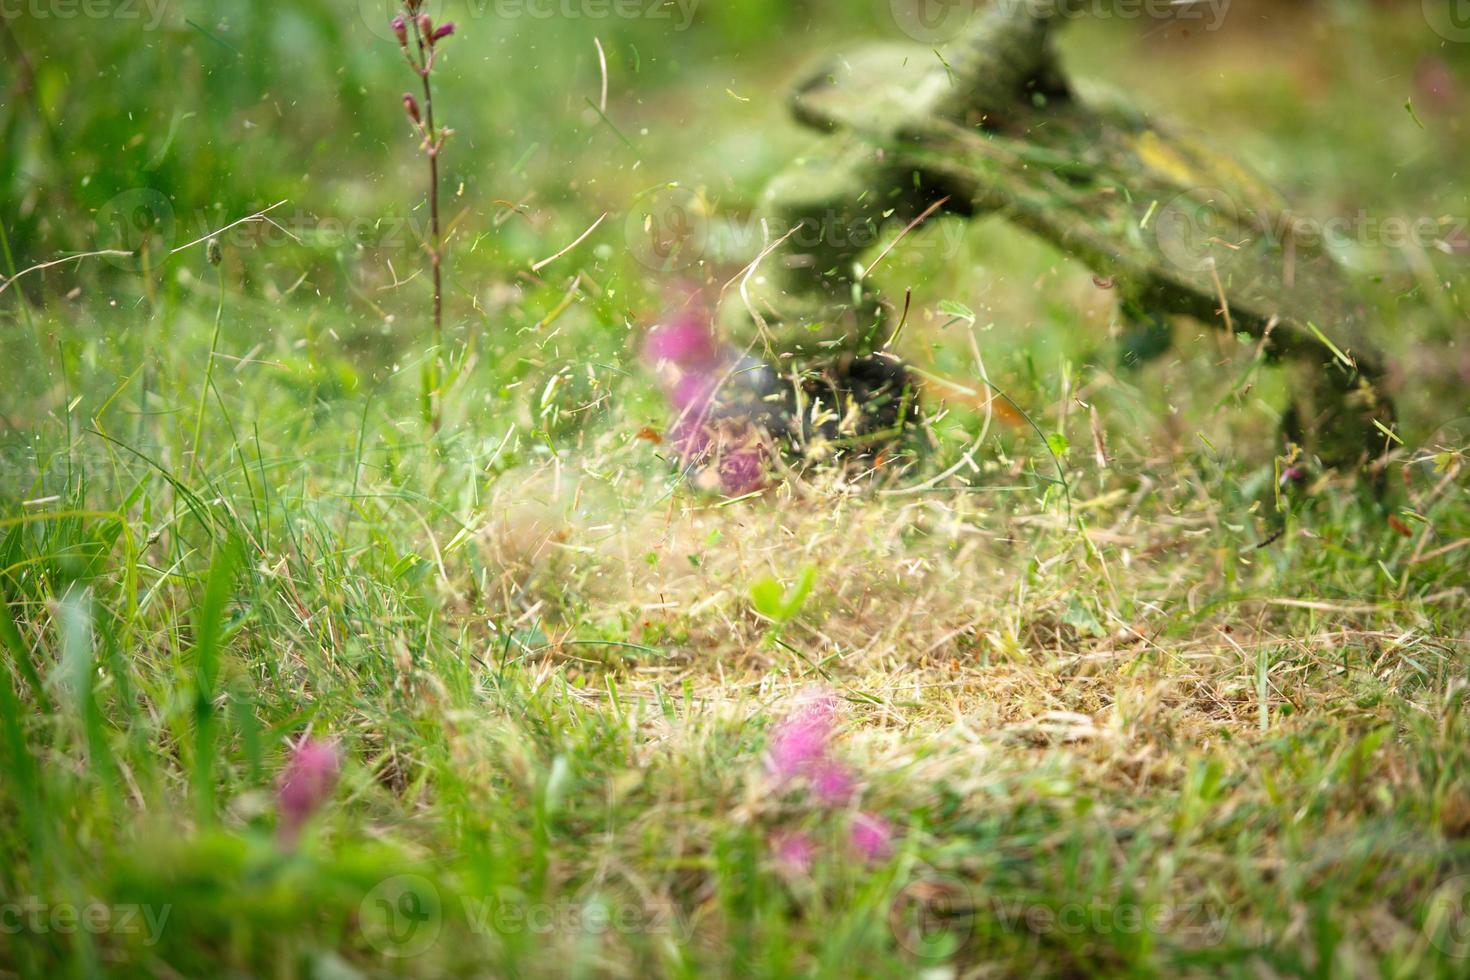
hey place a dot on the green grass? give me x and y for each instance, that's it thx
(1120, 738)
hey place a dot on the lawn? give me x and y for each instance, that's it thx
(330, 650)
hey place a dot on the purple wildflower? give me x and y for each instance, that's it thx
(716, 425)
(795, 851)
(307, 783)
(872, 836)
(400, 30)
(441, 32)
(684, 342)
(832, 783)
(801, 742)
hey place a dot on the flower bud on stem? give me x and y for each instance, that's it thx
(420, 56)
